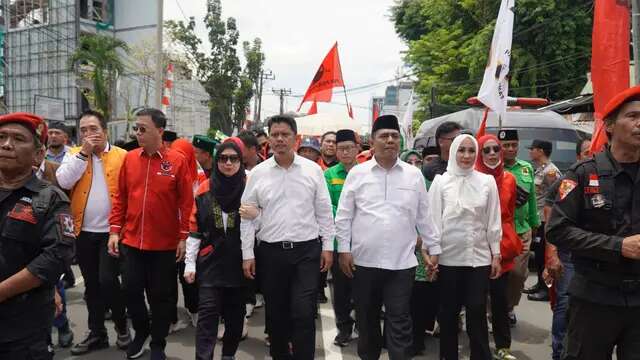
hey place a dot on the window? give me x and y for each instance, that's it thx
(27, 13)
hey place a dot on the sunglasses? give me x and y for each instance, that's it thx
(234, 159)
(488, 149)
(139, 129)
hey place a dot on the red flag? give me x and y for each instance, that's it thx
(328, 76)
(609, 61)
(376, 112)
(313, 109)
(483, 124)
(350, 111)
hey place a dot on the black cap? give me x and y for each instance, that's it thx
(544, 145)
(508, 135)
(345, 135)
(131, 145)
(169, 135)
(58, 125)
(385, 122)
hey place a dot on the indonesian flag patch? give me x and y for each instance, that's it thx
(65, 222)
(566, 186)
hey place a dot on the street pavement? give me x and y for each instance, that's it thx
(531, 336)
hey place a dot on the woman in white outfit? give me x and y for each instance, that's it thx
(465, 211)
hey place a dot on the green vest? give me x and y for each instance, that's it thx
(335, 177)
(526, 216)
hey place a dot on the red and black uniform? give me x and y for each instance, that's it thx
(151, 214)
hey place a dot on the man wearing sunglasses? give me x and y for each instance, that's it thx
(445, 133)
(526, 216)
(149, 225)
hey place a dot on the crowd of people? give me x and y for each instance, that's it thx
(416, 240)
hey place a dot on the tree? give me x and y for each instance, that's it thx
(229, 88)
(449, 42)
(100, 53)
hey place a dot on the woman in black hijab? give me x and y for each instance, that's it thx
(214, 256)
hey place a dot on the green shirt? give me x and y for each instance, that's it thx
(335, 177)
(526, 216)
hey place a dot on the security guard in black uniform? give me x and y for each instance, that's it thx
(36, 241)
(596, 216)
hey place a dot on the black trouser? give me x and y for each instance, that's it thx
(372, 288)
(342, 301)
(500, 311)
(290, 286)
(464, 286)
(189, 293)
(425, 299)
(153, 272)
(216, 302)
(537, 245)
(33, 347)
(594, 330)
(102, 286)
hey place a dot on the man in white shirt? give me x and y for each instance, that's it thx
(90, 173)
(296, 239)
(382, 211)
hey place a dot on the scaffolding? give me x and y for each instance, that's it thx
(40, 37)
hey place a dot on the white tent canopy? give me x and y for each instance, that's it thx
(318, 124)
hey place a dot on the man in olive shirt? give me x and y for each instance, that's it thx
(526, 216)
(347, 150)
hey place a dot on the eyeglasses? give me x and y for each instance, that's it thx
(234, 159)
(345, 148)
(488, 149)
(140, 129)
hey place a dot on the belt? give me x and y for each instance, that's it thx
(289, 245)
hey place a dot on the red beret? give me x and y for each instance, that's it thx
(237, 141)
(623, 97)
(35, 123)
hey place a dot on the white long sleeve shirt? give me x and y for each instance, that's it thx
(468, 237)
(294, 205)
(380, 215)
(193, 247)
(96, 213)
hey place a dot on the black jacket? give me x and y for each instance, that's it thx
(597, 206)
(36, 233)
(219, 261)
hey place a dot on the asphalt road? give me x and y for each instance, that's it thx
(531, 336)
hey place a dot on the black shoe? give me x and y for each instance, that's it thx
(124, 338)
(91, 343)
(136, 347)
(157, 354)
(532, 290)
(322, 298)
(342, 339)
(542, 295)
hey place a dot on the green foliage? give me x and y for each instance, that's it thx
(100, 52)
(229, 87)
(449, 41)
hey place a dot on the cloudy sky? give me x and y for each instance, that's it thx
(297, 34)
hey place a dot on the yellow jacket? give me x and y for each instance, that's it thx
(112, 161)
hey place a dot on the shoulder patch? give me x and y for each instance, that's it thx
(65, 222)
(566, 186)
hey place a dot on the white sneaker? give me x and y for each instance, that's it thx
(249, 308)
(179, 325)
(245, 329)
(194, 319)
(259, 301)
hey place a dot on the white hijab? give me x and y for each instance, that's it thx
(465, 189)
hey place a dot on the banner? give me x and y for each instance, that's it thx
(328, 76)
(609, 60)
(406, 123)
(495, 85)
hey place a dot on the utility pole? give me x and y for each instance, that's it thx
(282, 93)
(635, 20)
(263, 76)
(158, 74)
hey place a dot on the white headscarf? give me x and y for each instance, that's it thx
(465, 188)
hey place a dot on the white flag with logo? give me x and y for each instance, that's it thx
(406, 125)
(495, 86)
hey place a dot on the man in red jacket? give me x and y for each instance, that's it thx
(149, 225)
